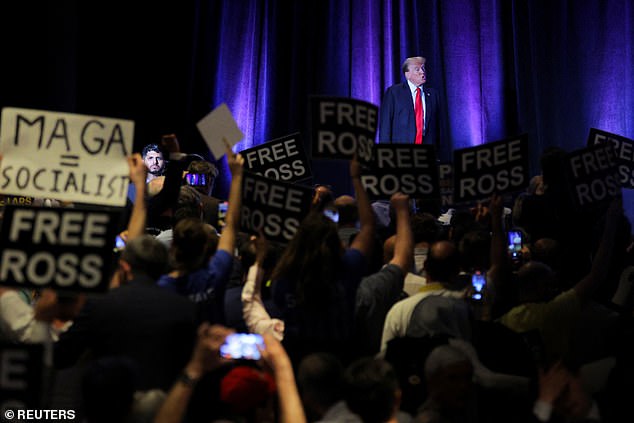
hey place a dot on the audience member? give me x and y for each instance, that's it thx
(316, 279)
(201, 175)
(555, 318)
(335, 300)
(255, 314)
(131, 320)
(200, 270)
(447, 313)
(320, 384)
(348, 221)
(154, 161)
(450, 388)
(372, 392)
(378, 292)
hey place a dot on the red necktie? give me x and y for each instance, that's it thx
(420, 117)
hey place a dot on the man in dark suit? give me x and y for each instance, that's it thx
(399, 109)
(139, 320)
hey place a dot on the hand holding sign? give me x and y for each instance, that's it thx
(235, 161)
(218, 128)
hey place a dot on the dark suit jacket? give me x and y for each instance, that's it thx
(396, 119)
(151, 325)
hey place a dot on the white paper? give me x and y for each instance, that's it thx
(217, 126)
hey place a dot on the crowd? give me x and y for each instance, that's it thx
(368, 314)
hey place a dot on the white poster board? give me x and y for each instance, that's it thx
(217, 126)
(65, 156)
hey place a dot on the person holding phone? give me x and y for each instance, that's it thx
(201, 175)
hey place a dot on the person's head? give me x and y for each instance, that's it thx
(536, 282)
(210, 172)
(246, 388)
(462, 221)
(348, 212)
(536, 185)
(153, 159)
(108, 386)
(193, 244)
(320, 383)
(312, 259)
(322, 197)
(425, 229)
(414, 70)
(188, 205)
(372, 390)
(547, 251)
(443, 263)
(449, 377)
(474, 249)
(143, 255)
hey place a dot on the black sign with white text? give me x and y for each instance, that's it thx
(283, 159)
(60, 248)
(445, 182)
(21, 368)
(341, 127)
(593, 175)
(275, 207)
(624, 151)
(496, 167)
(407, 168)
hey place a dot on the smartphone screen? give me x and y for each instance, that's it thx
(332, 214)
(119, 244)
(515, 242)
(478, 280)
(222, 214)
(196, 179)
(242, 346)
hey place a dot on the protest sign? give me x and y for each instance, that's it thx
(407, 168)
(65, 156)
(21, 369)
(341, 127)
(593, 175)
(497, 167)
(624, 150)
(283, 159)
(217, 127)
(275, 207)
(60, 248)
(445, 182)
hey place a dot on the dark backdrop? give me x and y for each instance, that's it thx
(551, 68)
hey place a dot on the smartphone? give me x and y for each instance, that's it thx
(242, 346)
(332, 214)
(119, 244)
(515, 242)
(478, 280)
(196, 179)
(222, 214)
